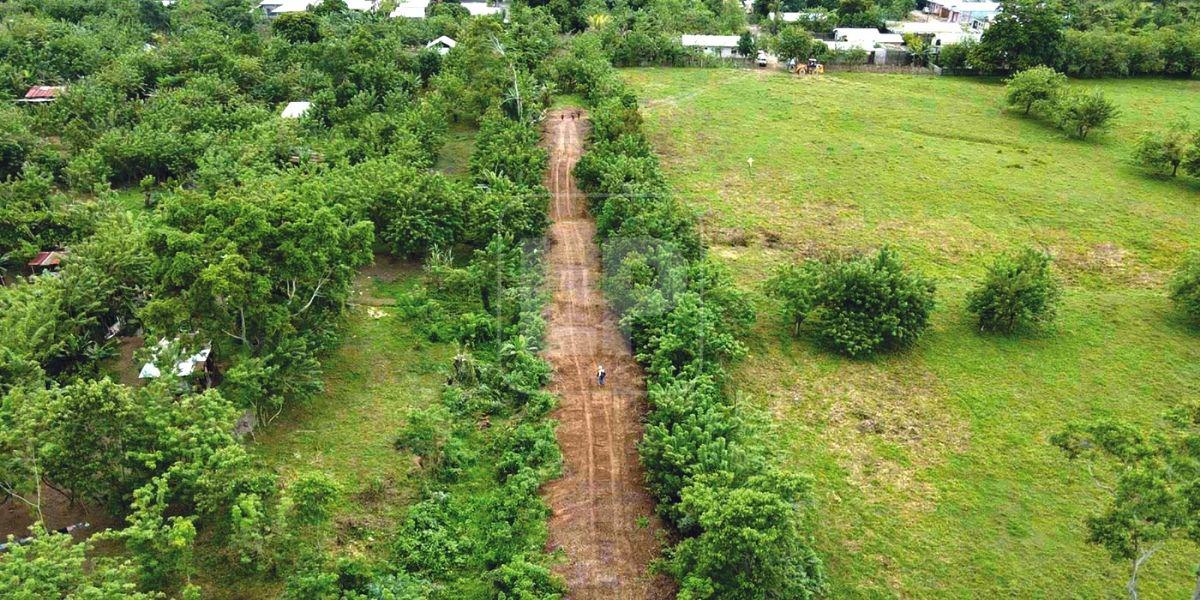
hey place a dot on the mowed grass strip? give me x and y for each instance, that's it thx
(382, 372)
(935, 476)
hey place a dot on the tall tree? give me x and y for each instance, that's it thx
(1152, 481)
(1026, 33)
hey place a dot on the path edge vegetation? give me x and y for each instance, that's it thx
(742, 525)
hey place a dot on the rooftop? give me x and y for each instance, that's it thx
(710, 41)
(442, 41)
(42, 93)
(295, 110)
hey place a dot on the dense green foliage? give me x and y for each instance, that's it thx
(856, 306)
(1018, 292)
(243, 237)
(1085, 39)
(743, 526)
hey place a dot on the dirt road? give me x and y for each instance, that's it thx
(599, 501)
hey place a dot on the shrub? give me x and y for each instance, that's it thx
(313, 497)
(1018, 292)
(750, 545)
(1185, 286)
(857, 306)
(956, 57)
(1079, 114)
(1164, 151)
(302, 27)
(1034, 87)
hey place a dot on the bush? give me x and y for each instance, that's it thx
(956, 57)
(313, 497)
(750, 545)
(1165, 151)
(857, 306)
(1035, 87)
(1018, 292)
(1079, 114)
(1185, 286)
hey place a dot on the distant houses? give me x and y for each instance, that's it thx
(482, 9)
(407, 9)
(938, 33)
(275, 8)
(724, 46)
(977, 14)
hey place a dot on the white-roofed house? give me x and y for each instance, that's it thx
(954, 37)
(724, 46)
(274, 8)
(443, 45)
(796, 17)
(937, 33)
(412, 9)
(482, 9)
(295, 110)
(924, 27)
(875, 43)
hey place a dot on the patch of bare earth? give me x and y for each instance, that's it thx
(56, 512)
(601, 498)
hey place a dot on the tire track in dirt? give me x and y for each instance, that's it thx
(596, 505)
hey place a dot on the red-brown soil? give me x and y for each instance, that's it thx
(598, 503)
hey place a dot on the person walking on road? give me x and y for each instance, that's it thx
(601, 375)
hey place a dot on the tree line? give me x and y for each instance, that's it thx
(1028, 34)
(191, 213)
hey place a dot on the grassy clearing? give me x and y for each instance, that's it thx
(381, 373)
(455, 159)
(936, 479)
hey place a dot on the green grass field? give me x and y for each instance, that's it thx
(935, 477)
(380, 374)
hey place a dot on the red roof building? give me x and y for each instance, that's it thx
(42, 93)
(45, 260)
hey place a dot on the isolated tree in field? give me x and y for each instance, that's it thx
(1185, 286)
(795, 43)
(1018, 292)
(856, 306)
(1034, 87)
(746, 45)
(1154, 482)
(1080, 114)
(1164, 151)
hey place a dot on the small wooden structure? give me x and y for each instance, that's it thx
(47, 260)
(41, 94)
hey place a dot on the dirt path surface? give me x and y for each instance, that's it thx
(599, 501)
